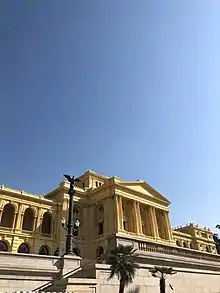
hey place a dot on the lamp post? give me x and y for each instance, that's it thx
(71, 226)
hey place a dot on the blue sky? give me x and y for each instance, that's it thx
(127, 88)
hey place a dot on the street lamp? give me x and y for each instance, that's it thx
(71, 226)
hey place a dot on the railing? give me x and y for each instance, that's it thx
(177, 251)
(74, 271)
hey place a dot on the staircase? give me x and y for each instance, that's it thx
(78, 280)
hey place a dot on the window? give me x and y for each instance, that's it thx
(28, 220)
(76, 211)
(125, 217)
(76, 233)
(3, 246)
(44, 250)
(100, 219)
(46, 223)
(23, 248)
(100, 228)
(178, 243)
(77, 216)
(100, 184)
(8, 216)
(96, 184)
(185, 244)
(76, 251)
(207, 248)
(99, 252)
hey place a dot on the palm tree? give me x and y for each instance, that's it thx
(122, 260)
(161, 273)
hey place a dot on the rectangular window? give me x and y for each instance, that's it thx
(100, 228)
(100, 184)
(96, 183)
(76, 233)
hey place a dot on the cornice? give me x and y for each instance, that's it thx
(20, 194)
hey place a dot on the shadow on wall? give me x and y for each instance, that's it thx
(134, 290)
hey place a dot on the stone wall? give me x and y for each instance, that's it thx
(29, 272)
(185, 281)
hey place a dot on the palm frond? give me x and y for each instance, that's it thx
(122, 260)
(161, 272)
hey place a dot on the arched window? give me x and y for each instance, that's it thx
(8, 216)
(178, 243)
(125, 217)
(44, 250)
(185, 244)
(76, 251)
(100, 219)
(207, 248)
(46, 223)
(23, 248)
(99, 252)
(77, 216)
(28, 220)
(3, 246)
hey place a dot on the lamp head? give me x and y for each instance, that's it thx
(77, 223)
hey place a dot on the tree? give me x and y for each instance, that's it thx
(122, 260)
(217, 242)
(161, 273)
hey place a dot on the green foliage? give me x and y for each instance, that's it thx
(217, 242)
(122, 260)
(161, 272)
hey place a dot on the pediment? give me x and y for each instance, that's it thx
(145, 189)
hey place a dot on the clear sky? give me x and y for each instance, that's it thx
(122, 87)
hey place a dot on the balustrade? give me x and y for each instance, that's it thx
(177, 251)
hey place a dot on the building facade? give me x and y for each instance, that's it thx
(108, 209)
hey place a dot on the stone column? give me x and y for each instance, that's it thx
(19, 218)
(154, 222)
(14, 220)
(38, 221)
(137, 218)
(1, 211)
(168, 226)
(35, 223)
(119, 212)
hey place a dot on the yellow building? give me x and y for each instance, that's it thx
(108, 209)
